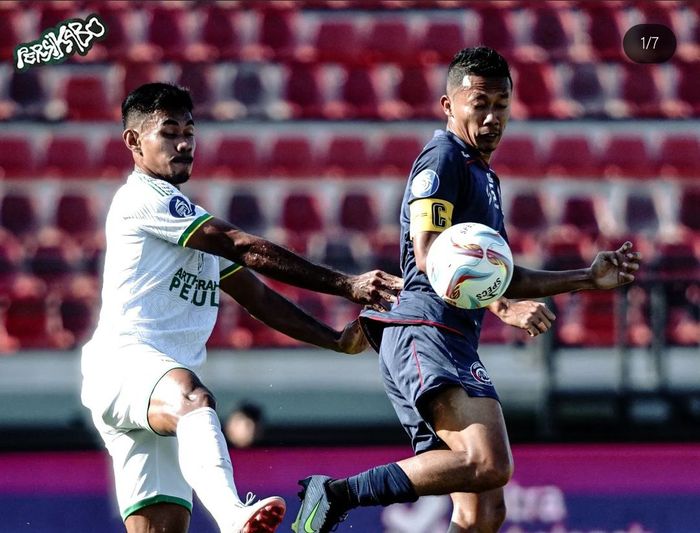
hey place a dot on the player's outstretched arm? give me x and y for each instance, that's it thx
(375, 289)
(609, 270)
(276, 311)
(533, 317)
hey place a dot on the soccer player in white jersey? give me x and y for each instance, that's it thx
(167, 261)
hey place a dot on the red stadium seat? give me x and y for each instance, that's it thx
(337, 42)
(278, 29)
(517, 156)
(338, 253)
(440, 42)
(640, 214)
(16, 157)
(493, 330)
(218, 33)
(32, 317)
(548, 31)
(301, 213)
(592, 321)
(563, 249)
(688, 83)
(534, 89)
(164, 32)
(579, 212)
(347, 155)
(11, 260)
(358, 212)
(27, 92)
(689, 212)
(526, 212)
(389, 41)
(571, 155)
(415, 91)
(248, 90)
(52, 14)
(68, 157)
(54, 258)
(385, 251)
(627, 156)
(397, 154)
(236, 157)
(359, 95)
(115, 44)
(86, 99)
(303, 91)
(137, 73)
(584, 88)
(18, 213)
(495, 29)
(680, 156)
(291, 156)
(76, 214)
(78, 307)
(244, 211)
(603, 30)
(640, 92)
(9, 34)
(116, 160)
(199, 79)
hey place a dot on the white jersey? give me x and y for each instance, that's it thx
(155, 290)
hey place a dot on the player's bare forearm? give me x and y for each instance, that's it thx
(529, 283)
(267, 258)
(609, 270)
(218, 237)
(278, 312)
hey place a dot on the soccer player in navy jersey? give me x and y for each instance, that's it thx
(432, 373)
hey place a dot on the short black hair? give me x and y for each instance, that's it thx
(152, 97)
(479, 60)
(250, 410)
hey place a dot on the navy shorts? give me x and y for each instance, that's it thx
(417, 361)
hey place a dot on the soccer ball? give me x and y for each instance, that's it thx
(469, 265)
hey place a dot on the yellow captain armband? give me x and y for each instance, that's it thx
(430, 214)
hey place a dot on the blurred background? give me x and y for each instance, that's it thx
(309, 115)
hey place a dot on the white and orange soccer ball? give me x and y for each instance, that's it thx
(469, 265)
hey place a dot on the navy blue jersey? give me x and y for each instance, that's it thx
(449, 184)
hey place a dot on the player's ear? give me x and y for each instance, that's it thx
(446, 104)
(131, 138)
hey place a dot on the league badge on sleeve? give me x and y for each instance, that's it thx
(425, 183)
(180, 207)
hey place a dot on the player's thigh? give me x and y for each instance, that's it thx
(163, 518)
(485, 511)
(471, 424)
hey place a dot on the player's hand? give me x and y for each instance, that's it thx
(376, 289)
(352, 340)
(613, 269)
(533, 317)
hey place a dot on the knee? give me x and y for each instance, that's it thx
(487, 471)
(198, 398)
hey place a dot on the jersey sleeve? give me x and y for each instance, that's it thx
(171, 217)
(433, 190)
(227, 268)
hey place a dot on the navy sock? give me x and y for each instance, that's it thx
(382, 485)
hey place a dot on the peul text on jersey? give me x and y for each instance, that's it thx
(199, 292)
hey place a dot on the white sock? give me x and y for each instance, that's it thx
(206, 465)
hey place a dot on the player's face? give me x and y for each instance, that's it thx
(167, 145)
(478, 111)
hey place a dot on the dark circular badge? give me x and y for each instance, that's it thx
(649, 43)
